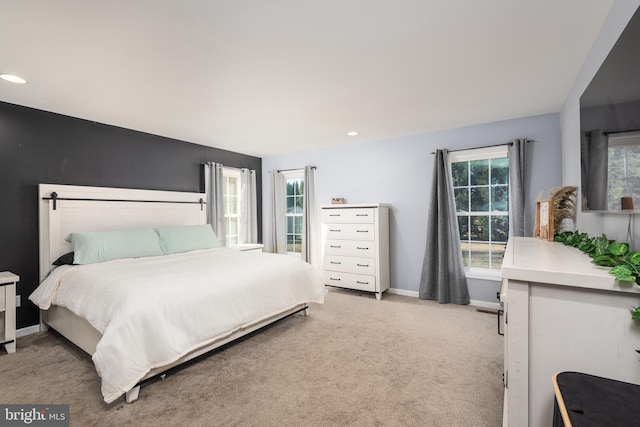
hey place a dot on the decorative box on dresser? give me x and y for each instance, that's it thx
(356, 246)
(8, 310)
(562, 313)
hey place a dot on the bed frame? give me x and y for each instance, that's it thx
(65, 208)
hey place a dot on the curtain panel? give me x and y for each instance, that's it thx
(214, 188)
(309, 234)
(594, 153)
(277, 242)
(443, 277)
(248, 232)
(517, 185)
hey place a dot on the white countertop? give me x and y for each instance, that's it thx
(534, 260)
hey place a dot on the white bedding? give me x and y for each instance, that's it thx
(152, 311)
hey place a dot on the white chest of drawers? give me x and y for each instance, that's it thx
(356, 247)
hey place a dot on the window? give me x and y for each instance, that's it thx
(481, 189)
(231, 200)
(623, 170)
(294, 197)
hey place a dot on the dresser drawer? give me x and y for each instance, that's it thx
(350, 264)
(350, 248)
(350, 232)
(352, 281)
(351, 215)
(2, 298)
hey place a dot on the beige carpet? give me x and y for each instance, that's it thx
(354, 361)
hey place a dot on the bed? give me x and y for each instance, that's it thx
(138, 316)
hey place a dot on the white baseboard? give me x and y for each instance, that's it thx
(22, 332)
(403, 292)
(473, 302)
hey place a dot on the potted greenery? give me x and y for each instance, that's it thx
(625, 264)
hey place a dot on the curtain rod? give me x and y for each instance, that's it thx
(295, 169)
(483, 146)
(229, 167)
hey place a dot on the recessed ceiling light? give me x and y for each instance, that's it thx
(13, 79)
(353, 133)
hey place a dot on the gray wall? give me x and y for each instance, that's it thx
(615, 226)
(39, 147)
(399, 171)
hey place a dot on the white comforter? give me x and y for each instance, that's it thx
(152, 311)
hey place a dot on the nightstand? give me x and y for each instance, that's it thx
(248, 247)
(8, 310)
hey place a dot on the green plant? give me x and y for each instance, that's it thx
(625, 264)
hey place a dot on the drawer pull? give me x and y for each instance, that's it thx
(362, 231)
(335, 262)
(362, 283)
(335, 246)
(362, 214)
(334, 230)
(334, 214)
(362, 265)
(337, 279)
(364, 249)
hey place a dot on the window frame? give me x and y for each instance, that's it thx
(495, 152)
(624, 141)
(288, 175)
(228, 172)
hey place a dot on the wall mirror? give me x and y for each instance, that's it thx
(610, 128)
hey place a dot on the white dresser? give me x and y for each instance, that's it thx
(356, 246)
(562, 313)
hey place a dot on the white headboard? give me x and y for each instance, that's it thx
(76, 208)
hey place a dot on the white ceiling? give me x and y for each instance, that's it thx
(268, 77)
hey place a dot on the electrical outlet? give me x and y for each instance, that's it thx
(17, 301)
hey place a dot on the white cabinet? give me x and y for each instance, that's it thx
(356, 247)
(8, 310)
(562, 313)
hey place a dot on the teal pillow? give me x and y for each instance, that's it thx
(100, 246)
(187, 238)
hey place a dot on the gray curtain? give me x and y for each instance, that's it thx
(309, 216)
(517, 185)
(248, 230)
(277, 242)
(443, 277)
(594, 150)
(214, 187)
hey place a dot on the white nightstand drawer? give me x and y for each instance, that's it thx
(350, 264)
(352, 281)
(350, 231)
(354, 215)
(2, 298)
(350, 248)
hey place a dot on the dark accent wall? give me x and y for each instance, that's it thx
(42, 147)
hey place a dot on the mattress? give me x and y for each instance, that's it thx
(152, 311)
